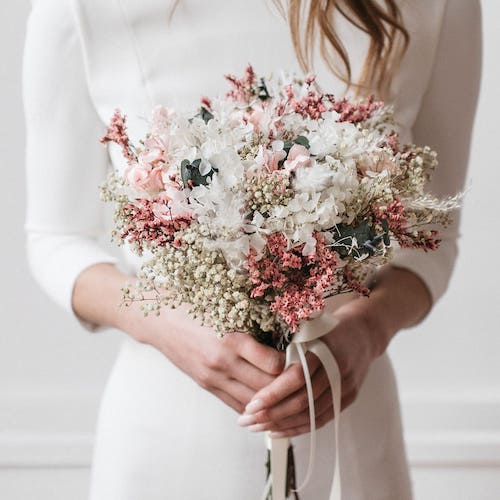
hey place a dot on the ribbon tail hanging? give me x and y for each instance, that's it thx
(308, 339)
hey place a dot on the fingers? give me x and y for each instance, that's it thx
(295, 405)
(236, 405)
(231, 391)
(290, 381)
(274, 420)
(263, 357)
(322, 404)
(250, 375)
(236, 390)
(321, 420)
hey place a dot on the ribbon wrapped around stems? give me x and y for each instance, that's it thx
(308, 339)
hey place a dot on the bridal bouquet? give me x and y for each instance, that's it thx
(265, 202)
(261, 204)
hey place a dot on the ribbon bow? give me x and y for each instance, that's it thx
(307, 339)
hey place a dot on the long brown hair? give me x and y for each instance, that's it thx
(382, 21)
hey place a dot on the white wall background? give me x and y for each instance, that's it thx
(52, 372)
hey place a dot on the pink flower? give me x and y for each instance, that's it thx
(255, 117)
(154, 151)
(377, 164)
(144, 179)
(355, 112)
(117, 133)
(270, 158)
(298, 156)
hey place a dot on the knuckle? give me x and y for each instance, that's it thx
(270, 397)
(204, 380)
(214, 360)
(263, 416)
(276, 363)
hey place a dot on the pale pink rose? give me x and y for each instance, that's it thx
(144, 179)
(377, 164)
(298, 156)
(154, 151)
(270, 158)
(255, 117)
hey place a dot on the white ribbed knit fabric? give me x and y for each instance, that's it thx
(84, 58)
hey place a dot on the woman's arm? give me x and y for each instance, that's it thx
(64, 161)
(233, 368)
(405, 290)
(65, 165)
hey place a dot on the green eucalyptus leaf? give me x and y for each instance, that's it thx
(303, 141)
(205, 115)
(190, 173)
(368, 241)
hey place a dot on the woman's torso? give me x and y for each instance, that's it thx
(136, 59)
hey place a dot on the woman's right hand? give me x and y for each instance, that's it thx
(233, 368)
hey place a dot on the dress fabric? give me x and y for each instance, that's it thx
(159, 435)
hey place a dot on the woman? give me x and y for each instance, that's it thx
(160, 435)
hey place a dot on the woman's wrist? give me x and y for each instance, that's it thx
(97, 299)
(399, 299)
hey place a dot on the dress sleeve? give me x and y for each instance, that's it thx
(65, 163)
(445, 122)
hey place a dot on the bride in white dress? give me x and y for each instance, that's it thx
(167, 426)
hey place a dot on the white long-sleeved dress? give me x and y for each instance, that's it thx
(159, 435)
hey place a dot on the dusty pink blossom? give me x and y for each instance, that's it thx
(298, 156)
(394, 216)
(377, 163)
(242, 88)
(141, 226)
(293, 283)
(117, 133)
(355, 113)
(255, 117)
(269, 158)
(144, 179)
(311, 105)
(153, 152)
(206, 103)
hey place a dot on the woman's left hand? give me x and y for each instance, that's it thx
(282, 406)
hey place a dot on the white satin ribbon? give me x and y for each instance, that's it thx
(307, 339)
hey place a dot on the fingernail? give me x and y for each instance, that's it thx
(257, 427)
(254, 406)
(245, 420)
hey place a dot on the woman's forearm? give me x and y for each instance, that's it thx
(97, 296)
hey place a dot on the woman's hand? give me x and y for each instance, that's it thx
(282, 407)
(233, 369)
(399, 300)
